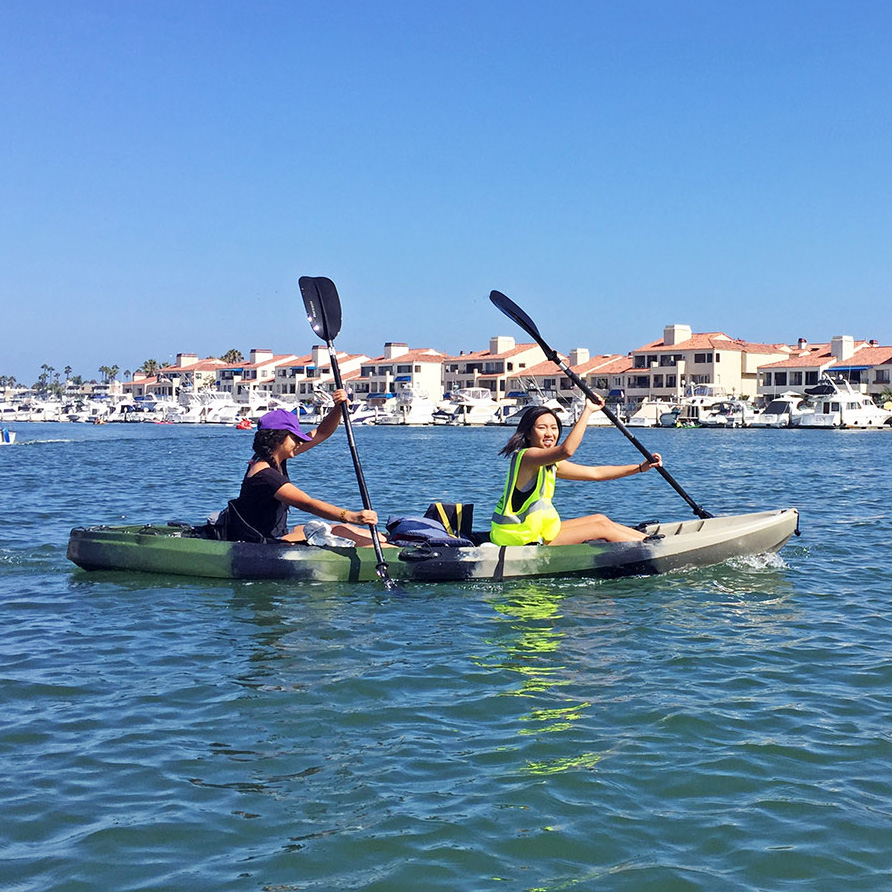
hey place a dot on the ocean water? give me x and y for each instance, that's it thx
(725, 729)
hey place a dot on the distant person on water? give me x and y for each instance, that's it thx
(526, 514)
(267, 492)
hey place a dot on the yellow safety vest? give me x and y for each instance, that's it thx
(537, 520)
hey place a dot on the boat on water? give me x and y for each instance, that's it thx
(698, 401)
(649, 413)
(469, 406)
(177, 549)
(7, 437)
(411, 406)
(836, 404)
(728, 413)
(784, 410)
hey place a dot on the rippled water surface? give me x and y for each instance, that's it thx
(726, 729)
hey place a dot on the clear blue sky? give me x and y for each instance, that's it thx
(169, 169)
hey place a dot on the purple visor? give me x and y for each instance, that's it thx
(282, 420)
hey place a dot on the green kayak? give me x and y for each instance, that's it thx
(174, 549)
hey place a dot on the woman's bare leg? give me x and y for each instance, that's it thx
(594, 526)
(360, 535)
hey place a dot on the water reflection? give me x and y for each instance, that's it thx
(529, 633)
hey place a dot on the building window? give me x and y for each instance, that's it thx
(658, 380)
(811, 377)
(882, 376)
(671, 380)
(702, 358)
(780, 379)
(796, 379)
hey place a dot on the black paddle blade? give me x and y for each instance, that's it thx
(322, 304)
(514, 312)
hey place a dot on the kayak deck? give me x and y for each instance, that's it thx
(170, 549)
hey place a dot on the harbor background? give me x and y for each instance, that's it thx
(719, 730)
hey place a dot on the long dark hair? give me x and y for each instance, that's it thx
(265, 444)
(521, 437)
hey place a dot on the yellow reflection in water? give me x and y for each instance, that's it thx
(556, 766)
(530, 637)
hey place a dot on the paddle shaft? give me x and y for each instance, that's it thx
(381, 566)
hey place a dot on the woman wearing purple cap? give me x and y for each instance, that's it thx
(267, 493)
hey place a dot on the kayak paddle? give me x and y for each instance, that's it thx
(516, 314)
(324, 315)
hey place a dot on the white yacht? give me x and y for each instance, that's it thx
(669, 418)
(729, 413)
(649, 413)
(472, 405)
(362, 413)
(838, 405)
(697, 401)
(219, 408)
(784, 410)
(410, 406)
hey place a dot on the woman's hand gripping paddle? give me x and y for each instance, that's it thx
(516, 314)
(324, 314)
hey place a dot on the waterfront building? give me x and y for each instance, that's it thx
(400, 368)
(490, 369)
(252, 381)
(603, 373)
(864, 364)
(304, 378)
(141, 386)
(188, 372)
(662, 369)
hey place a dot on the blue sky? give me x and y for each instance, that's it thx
(169, 169)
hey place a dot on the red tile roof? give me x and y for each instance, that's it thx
(485, 354)
(421, 354)
(711, 340)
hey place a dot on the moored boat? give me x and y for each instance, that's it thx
(839, 405)
(784, 410)
(175, 549)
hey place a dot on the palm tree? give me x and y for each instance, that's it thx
(232, 356)
(150, 367)
(112, 372)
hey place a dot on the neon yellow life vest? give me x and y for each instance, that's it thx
(537, 520)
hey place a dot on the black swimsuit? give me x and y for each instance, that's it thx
(258, 505)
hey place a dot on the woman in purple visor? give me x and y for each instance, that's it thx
(267, 493)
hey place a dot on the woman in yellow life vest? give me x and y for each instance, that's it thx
(526, 513)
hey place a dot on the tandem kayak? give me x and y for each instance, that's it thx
(174, 549)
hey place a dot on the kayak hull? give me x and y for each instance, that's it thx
(168, 549)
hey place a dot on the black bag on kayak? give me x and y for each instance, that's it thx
(413, 530)
(457, 518)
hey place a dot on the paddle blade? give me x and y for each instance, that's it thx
(322, 304)
(514, 312)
